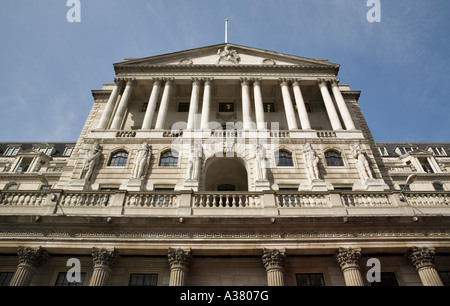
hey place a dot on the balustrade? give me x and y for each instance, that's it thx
(22, 198)
(428, 199)
(227, 199)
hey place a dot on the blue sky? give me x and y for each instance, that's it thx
(49, 66)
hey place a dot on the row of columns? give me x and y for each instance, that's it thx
(179, 260)
(166, 85)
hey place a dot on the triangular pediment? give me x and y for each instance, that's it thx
(229, 55)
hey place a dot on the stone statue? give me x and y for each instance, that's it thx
(260, 164)
(312, 162)
(90, 162)
(141, 163)
(195, 163)
(228, 55)
(362, 163)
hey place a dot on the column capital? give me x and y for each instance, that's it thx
(119, 81)
(284, 81)
(273, 259)
(207, 81)
(168, 81)
(348, 258)
(130, 82)
(245, 81)
(257, 81)
(296, 81)
(31, 257)
(157, 81)
(104, 258)
(422, 257)
(197, 81)
(179, 258)
(334, 81)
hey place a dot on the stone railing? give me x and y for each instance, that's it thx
(301, 200)
(23, 198)
(226, 133)
(428, 199)
(226, 199)
(366, 199)
(286, 203)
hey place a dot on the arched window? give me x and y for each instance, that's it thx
(118, 159)
(334, 159)
(284, 159)
(169, 159)
(438, 186)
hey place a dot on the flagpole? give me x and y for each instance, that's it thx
(226, 30)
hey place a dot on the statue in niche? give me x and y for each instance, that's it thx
(195, 162)
(260, 163)
(142, 160)
(312, 162)
(90, 162)
(228, 55)
(362, 163)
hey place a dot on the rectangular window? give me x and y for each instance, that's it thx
(143, 280)
(46, 187)
(5, 278)
(269, 107)
(226, 107)
(388, 279)
(183, 107)
(445, 277)
(68, 151)
(439, 151)
(62, 281)
(383, 151)
(405, 150)
(310, 280)
(11, 151)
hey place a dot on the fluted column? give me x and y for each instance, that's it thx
(423, 261)
(349, 260)
(273, 261)
(193, 105)
(246, 106)
(206, 107)
(288, 106)
(106, 116)
(104, 260)
(123, 105)
(163, 108)
(329, 105)
(29, 261)
(151, 108)
(342, 105)
(179, 265)
(259, 107)
(301, 107)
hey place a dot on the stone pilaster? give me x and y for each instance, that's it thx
(423, 261)
(29, 260)
(273, 261)
(104, 260)
(349, 260)
(179, 261)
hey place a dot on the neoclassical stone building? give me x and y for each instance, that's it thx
(225, 165)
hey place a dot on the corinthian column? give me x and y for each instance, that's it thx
(104, 260)
(118, 118)
(179, 262)
(301, 107)
(423, 261)
(193, 105)
(349, 259)
(259, 107)
(206, 108)
(151, 108)
(273, 261)
(329, 105)
(29, 261)
(246, 106)
(164, 105)
(288, 106)
(343, 109)
(106, 116)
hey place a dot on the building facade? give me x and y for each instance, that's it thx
(225, 165)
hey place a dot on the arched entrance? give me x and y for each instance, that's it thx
(226, 174)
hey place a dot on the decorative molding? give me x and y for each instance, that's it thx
(31, 257)
(104, 258)
(348, 258)
(273, 259)
(422, 257)
(179, 258)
